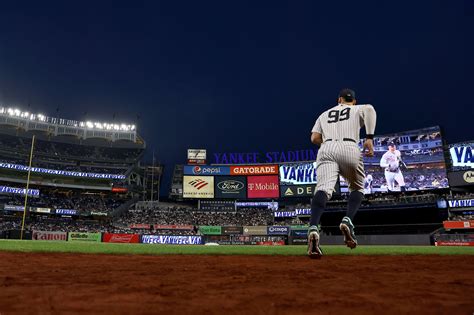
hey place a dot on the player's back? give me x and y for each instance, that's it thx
(343, 122)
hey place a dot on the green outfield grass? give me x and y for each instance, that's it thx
(149, 249)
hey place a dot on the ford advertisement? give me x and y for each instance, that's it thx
(230, 187)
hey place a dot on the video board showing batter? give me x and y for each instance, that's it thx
(405, 161)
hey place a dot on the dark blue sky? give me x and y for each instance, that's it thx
(240, 76)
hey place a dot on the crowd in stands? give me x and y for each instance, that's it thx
(63, 200)
(67, 151)
(186, 216)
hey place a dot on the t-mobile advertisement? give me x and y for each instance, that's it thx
(405, 161)
(263, 187)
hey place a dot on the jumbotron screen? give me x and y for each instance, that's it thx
(405, 161)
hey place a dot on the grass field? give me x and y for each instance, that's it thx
(148, 249)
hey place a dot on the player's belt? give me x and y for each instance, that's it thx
(343, 139)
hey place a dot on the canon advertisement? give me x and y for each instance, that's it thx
(49, 236)
(263, 187)
(298, 174)
(462, 156)
(171, 239)
(405, 161)
(198, 187)
(230, 187)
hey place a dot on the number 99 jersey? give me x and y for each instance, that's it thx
(343, 122)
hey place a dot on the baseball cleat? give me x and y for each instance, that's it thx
(314, 251)
(347, 229)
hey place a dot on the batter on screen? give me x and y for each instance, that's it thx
(391, 161)
(337, 132)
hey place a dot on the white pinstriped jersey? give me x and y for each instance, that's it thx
(345, 121)
(339, 156)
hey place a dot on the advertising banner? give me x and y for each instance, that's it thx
(303, 211)
(210, 230)
(230, 187)
(140, 226)
(255, 230)
(18, 191)
(254, 170)
(120, 190)
(217, 205)
(173, 227)
(84, 237)
(66, 211)
(59, 172)
(13, 208)
(231, 230)
(458, 224)
(461, 203)
(197, 156)
(278, 230)
(284, 214)
(462, 155)
(263, 187)
(121, 238)
(40, 210)
(206, 170)
(297, 191)
(453, 243)
(461, 178)
(198, 187)
(172, 239)
(49, 236)
(298, 174)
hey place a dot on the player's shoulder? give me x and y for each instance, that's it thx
(364, 106)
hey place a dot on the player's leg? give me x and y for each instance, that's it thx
(353, 171)
(390, 179)
(398, 177)
(327, 174)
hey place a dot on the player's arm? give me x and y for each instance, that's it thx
(383, 162)
(369, 116)
(316, 138)
(316, 132)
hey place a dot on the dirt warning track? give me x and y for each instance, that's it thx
(38, 283)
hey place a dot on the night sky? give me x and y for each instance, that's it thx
(239, 76)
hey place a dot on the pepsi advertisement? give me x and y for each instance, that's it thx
(206, 170)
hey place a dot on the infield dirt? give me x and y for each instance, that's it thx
(39, 283)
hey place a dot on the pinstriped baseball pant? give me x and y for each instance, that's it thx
(339, 158)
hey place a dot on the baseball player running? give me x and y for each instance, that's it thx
(391, 162)
(337, 132)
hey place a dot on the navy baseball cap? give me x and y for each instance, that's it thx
(391, 144)
(347, 94)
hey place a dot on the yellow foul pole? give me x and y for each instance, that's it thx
(27, 187)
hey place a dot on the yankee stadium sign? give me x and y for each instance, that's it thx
(267, 157)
